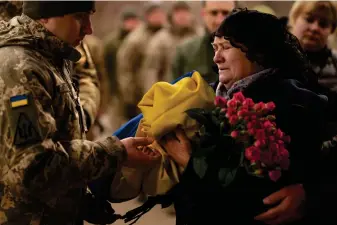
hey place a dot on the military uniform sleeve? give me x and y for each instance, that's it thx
(47, 164)
(86, 76)
(153, 64)
(110, 62)
(128, 65)
(178, 63)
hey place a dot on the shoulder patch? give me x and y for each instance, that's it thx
(18, 101)
(25, 131)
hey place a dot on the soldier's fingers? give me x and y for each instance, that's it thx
(142, 141)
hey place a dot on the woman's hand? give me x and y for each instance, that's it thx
(290, 199)
(178, 147)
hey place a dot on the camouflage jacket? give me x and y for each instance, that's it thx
(160, 53)
(111, 44)
(195, 54)
(130, 57)
(86, 77)
(45, 161)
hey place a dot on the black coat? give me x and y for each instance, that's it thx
(299, 113)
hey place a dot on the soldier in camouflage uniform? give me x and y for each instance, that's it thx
(128, 22)
(113, 116)
(160, 52)
(130, 57)
(45, 161)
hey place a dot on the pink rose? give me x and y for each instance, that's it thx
(239, 97)
(260, 143)
(274, 147)
(248, 102)
(259, 106)
(242, 113)
(267, 158)
(270, 106)
(234, 134)
(267, 124)
(252, 153)
(220, 101)
(260, 134)
(274, 175)
(251, 131)
(232, 103)
(279, 134)
(233, 119)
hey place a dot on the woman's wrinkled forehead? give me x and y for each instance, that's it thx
(220, 41)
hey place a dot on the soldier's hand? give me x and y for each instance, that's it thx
(138, 154)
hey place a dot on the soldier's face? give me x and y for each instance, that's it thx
(215, 12)
(70, 28)
(182, 18)
(156, 18)
(131, 24)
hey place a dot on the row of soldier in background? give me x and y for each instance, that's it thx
(119, 69)
(155, 52)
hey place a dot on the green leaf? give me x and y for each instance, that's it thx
(200, 166)
(198, 114)
(203, 151)
(226, 176)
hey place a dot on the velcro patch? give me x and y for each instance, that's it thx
(25, 132)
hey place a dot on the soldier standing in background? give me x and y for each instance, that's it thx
(112, 117)
(197, 53)
(45, 161)
(161, 50)
(130, 58)
(129, 20)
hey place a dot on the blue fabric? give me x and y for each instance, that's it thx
(100, 187)
(129, 128)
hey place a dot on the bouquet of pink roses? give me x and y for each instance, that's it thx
(240, 133)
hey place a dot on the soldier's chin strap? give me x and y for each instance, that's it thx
(135, 214)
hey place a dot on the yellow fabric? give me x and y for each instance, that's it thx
(163, 108)
(164, 105)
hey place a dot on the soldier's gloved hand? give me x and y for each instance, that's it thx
(97, 211)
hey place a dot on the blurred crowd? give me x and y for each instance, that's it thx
(160, 45)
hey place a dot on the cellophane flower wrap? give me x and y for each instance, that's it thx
(240, 133)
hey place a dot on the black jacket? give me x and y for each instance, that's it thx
(299, 113)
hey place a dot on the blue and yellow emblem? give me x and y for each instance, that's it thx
(18, 101)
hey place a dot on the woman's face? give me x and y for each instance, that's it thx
(312, 28)
(232, 63)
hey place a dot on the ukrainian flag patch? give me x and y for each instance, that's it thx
(18, 101)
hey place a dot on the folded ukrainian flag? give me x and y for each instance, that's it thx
(100, 187)
(129, 129)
